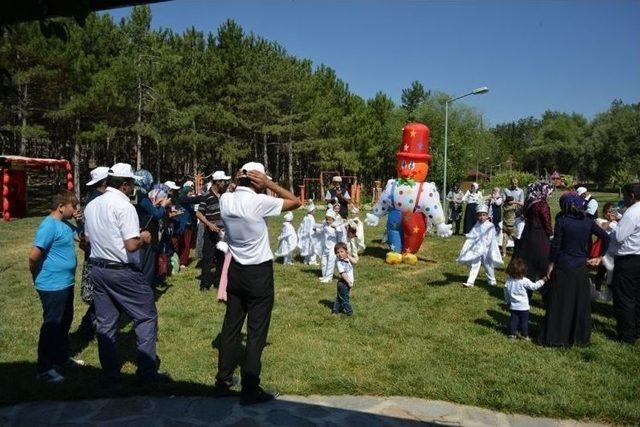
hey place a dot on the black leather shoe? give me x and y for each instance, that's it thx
(257, 397)
(221, 389)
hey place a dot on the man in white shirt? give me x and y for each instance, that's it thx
(626, 273)
(113, 230)
(250, 278)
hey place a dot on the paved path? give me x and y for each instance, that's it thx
(295, 411)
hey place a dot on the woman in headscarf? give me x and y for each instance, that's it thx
(473, 196)
(533, 246)
(567, 319)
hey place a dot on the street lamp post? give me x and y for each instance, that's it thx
(477, 91)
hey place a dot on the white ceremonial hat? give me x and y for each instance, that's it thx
(311, 207)
(482, 208)
(98, 174)
(330, 214)
(288, 217)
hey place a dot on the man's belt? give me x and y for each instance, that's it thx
(113, 265)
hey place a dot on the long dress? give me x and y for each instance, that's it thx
(287, 241)
(472, 200)
(567, 319)
(534, 245)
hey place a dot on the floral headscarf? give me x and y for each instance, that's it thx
(538, 191)
(146, 180)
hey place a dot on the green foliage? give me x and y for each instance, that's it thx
(189, 102)
(503, 179)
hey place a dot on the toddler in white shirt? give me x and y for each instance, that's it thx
(515, 295)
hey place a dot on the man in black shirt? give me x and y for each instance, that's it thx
(209, 214)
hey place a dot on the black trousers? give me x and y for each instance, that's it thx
(57, 315)
(250, 295)
(626, 297)
(211, 256)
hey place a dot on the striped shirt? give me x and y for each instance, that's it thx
(210, 208)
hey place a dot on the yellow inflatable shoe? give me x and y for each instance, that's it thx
(393, 258)
(410, 259)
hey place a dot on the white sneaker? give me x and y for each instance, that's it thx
(75, 362)
(468, 285)
(51, 376)
(325, 279)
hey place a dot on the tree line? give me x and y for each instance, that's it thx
(179, 103)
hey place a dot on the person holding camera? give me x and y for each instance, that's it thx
(250, 292)
(113, 231)
(209, 213)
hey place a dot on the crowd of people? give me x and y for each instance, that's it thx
(135, 232)
(572, 260)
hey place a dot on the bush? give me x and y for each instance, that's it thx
(503, 179)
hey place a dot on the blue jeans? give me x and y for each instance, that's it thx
(520, 317)
(342, 301)
(57, 315)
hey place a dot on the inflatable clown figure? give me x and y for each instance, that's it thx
(410, 202)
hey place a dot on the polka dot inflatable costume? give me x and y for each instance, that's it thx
(408, 200)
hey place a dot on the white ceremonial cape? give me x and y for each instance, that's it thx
(481, 245)
(309, 240)
(287, 240)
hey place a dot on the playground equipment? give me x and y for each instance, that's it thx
(14, 181)
(310, 186)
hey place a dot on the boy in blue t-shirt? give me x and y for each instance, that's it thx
(52, 262)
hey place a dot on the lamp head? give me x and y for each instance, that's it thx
(480, 90)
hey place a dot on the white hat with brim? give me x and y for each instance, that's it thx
(220, 176)
(123, 170)
(254, 166)
(172, 185)
(581, 191)
(98, 174)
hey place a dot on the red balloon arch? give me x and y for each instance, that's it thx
(14, 189)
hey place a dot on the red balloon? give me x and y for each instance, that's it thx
(413, 228)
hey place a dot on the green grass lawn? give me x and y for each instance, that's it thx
(416, 332)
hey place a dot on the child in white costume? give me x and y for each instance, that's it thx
(481, 248)
(308, 238)
(287, 240)
(332, 233)
(355, 234)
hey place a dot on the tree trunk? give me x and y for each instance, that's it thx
(22, 115)
(196, 164)
(277, 174)
(76, 160)
(139, 137)
(290, 162)
(158, 161)
(265, 153)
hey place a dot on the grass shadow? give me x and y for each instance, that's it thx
(449, 279)
(327, 303)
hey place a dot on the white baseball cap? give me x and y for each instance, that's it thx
(254, 166)
(336, 179)
(581, 191)
(98, 174)
(220, 176)
(188, 184)
(123, 170)
(172, 185)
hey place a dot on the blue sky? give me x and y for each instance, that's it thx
(573, 56)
